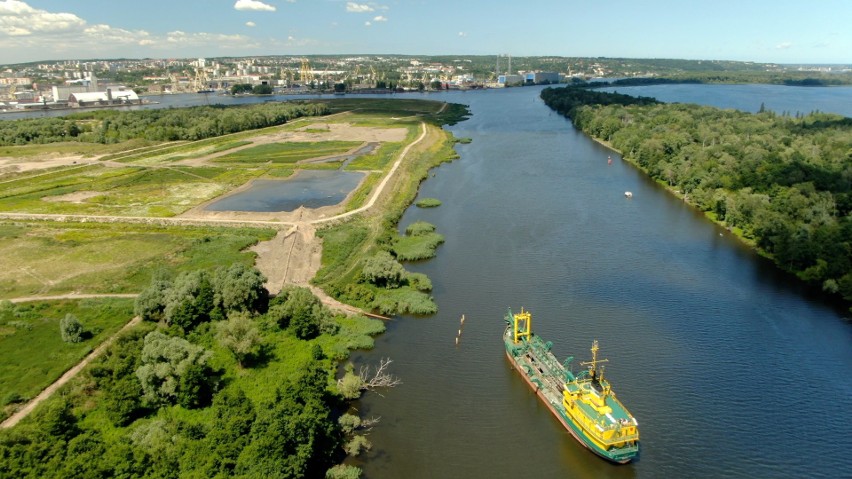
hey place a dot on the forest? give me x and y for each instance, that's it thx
(220, 381)
(169, 124)
(783, 183)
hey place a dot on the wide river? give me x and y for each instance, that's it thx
(731, 368)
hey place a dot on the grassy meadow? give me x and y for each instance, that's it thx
(58, 258)
(290, 152)
(34, 354)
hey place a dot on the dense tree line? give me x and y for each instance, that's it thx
(783, 181)
(168, 124)
(128, 416)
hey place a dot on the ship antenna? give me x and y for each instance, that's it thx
(594, 362)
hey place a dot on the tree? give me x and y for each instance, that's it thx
(173, 369)
(240, 288)
(294, 435)
(297, 308)
(151, 302)
(383, 270)
(189, 301)
(59, 421)
(71, 329)
(351, 384)
(240, 336)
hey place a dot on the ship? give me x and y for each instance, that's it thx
(584, 403)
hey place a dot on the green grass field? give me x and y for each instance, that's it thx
(50, 258)
(287, 152)
(34, 354)
(129, 191)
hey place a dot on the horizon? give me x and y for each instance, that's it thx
(782, 32)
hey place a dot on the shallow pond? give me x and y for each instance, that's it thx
(308, 188)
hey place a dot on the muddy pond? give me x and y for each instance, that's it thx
(308, 188)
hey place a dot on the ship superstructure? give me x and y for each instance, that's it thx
(584, 403)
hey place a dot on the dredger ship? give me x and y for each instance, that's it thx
(584, 403)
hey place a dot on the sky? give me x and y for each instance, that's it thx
(765, 31)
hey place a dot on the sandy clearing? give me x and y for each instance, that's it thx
(40, 162)
(76, 197)
(329, 132)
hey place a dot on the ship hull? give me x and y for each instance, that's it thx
(566, 422)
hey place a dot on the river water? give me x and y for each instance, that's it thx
(730, 367)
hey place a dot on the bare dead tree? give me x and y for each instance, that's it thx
(367, 425)
(379, 378)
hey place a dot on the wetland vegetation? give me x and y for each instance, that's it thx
(222, 378)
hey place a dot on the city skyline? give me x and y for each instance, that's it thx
(760, 31)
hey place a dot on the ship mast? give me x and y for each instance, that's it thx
(593, 369)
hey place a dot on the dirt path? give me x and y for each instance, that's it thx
(30, 406)
(27, 299)
(294, 256)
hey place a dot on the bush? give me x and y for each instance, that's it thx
(343, 471)
(428, 203)
(358, 444)
(350, 384)
(349, 423)
(239, 335)
(71, 329)
(418, 228)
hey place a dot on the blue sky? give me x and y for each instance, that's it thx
(779, 31)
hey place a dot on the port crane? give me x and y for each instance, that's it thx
(305, 74)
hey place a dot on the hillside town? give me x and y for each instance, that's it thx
(76, 83)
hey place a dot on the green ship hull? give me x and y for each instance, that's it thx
(597, 421)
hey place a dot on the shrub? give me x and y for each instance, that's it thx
(356, 445)
(343, 471)
(71, 329)
(428, 203)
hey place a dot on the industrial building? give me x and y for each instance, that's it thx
(507, 79)
(103, 98)
(541, 78)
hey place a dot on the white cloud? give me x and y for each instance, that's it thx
(250, 24)
(367, 23)
(380, 18)
(462, 34)
(31, 34)
(783, 46)
(254, 5)
(19, 19)
(353, 7)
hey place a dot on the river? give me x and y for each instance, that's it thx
(730, 367)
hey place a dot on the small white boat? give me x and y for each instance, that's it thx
(628, 194)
